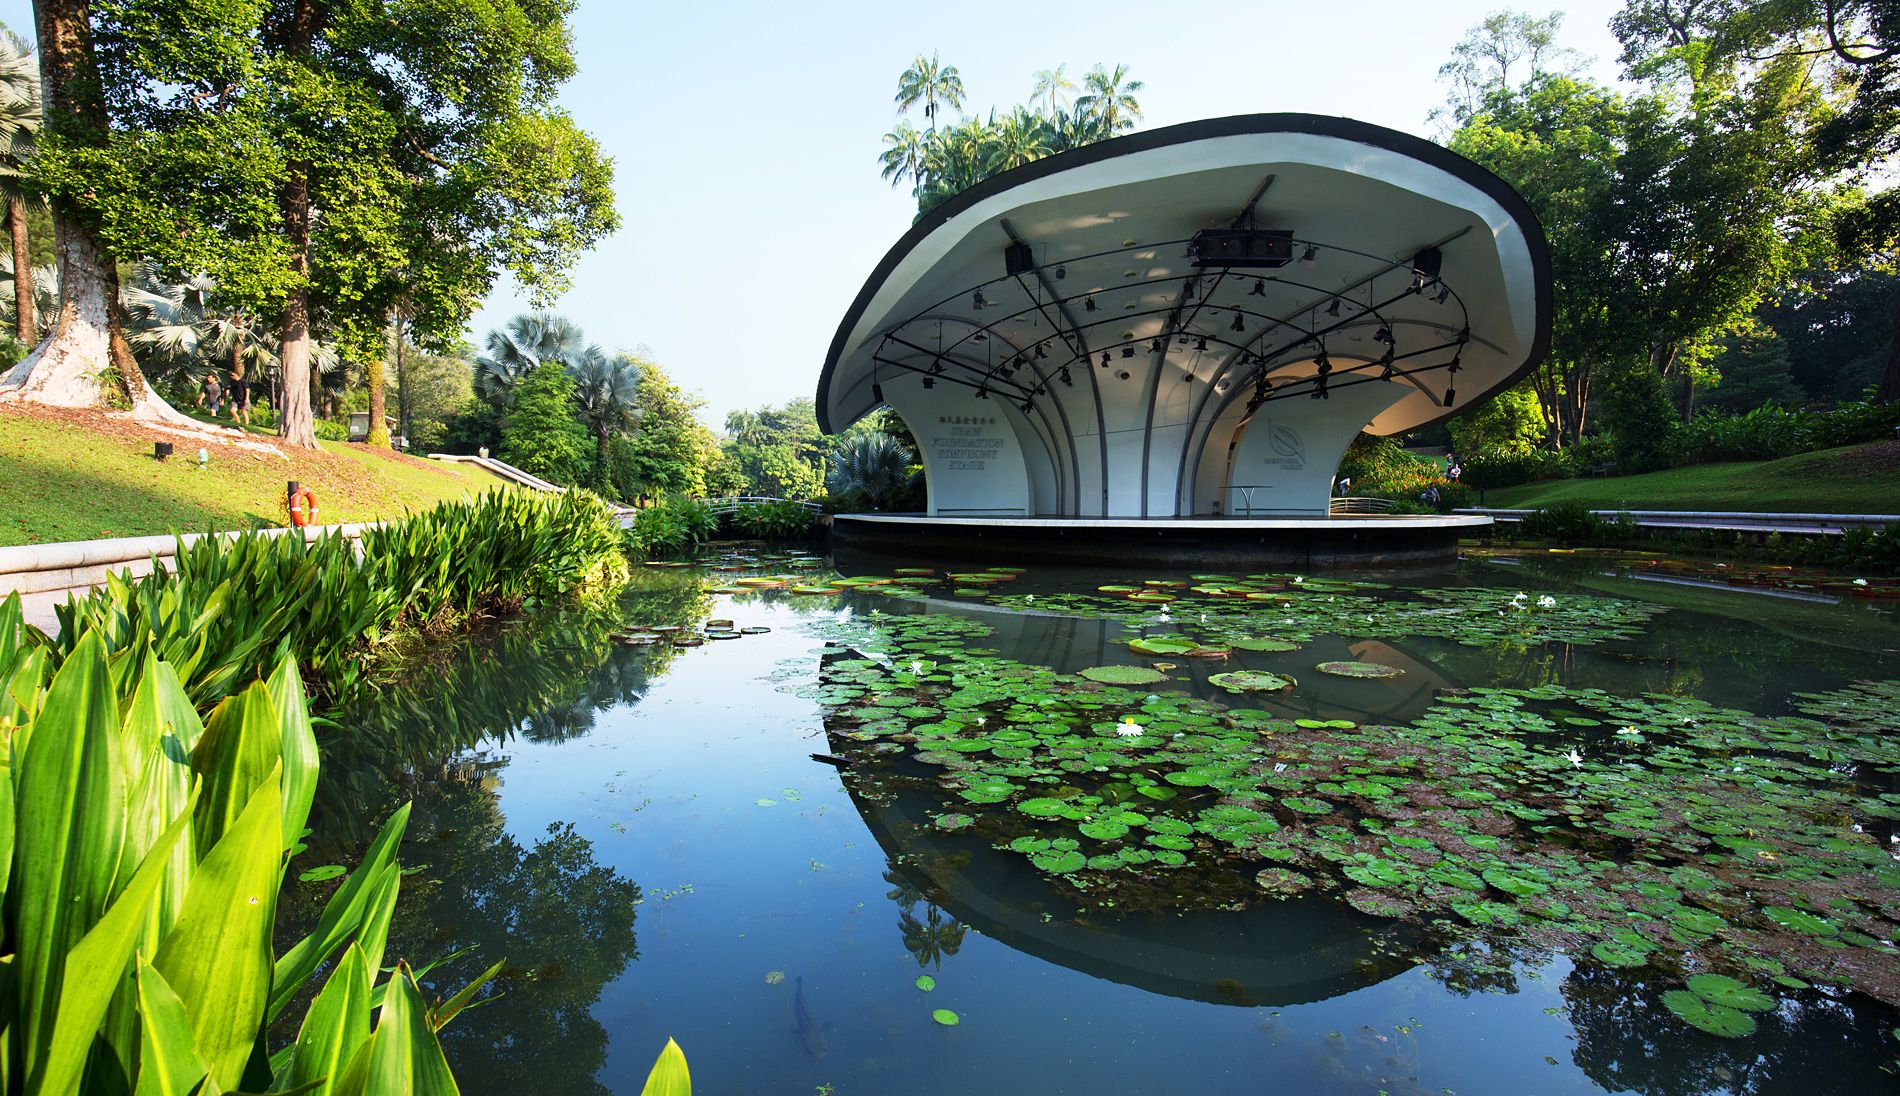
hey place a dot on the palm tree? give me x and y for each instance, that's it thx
(1015, 141)
(903, 155)
(608, 391)
(932, 83)
(42, 287)
(185, 329)
(872, 466)
(19, 127)
(513, 351)
(1054, 91)
(1110, 102)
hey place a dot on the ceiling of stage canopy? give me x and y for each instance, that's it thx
(1375, 256)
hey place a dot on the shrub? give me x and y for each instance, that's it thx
(781, 520)
(1644, 422)
(873, 471)
(231, 608)
(542, 436)
(1567, 522)
(149, 847)
(672, 527)
(1770, 432)
(330, 431)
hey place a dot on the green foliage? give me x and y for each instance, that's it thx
(147, 847)
(781, 520)
(1568, 523)
(872, 470)
(1637, 405)
(541, 434)
(673, 451)
(675, 526)
(231, 608)
(1511, 421)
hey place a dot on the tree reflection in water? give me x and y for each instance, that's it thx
(563, 923)
(933, 938)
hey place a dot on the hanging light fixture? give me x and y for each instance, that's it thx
(1238, 324)
(1333, 308)
(1066, 377)
(1128, 351)
(1088, 304)
(983, 392)
(1026, 405)
(929, 381)
(1444, 293)
(977, 302)
(1201, 344)
(1187, 291)
(1042, 351)
(1450, 394)
(1259, 288)
(979, 337)
(1155, 347)
(1384, 335)
(877, 392)
(1311, 253)
(1386, 361)
(1061, 272)
(1104, 359)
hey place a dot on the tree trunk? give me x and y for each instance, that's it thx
(26, 325)
(378, 430)
(86, 361)
(1890, 378)
(295, 423)
(404, 409)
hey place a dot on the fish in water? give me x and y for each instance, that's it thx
(811, 1034)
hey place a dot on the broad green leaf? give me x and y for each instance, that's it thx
(168, 1062)
(93, 972)
(669, 1076)
(238, 752)
(342, 915)
(373, 936)
(70, 825)
(440, 1016)
(218, 956)
(336, 1026)
(298, 747)
(404, 1056)
(159, 724)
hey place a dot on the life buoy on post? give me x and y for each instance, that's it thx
(303, 507)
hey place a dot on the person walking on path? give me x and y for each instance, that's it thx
(212, 394)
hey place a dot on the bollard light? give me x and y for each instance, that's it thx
(204, 459)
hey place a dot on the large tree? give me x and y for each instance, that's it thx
(85, 361)
(333, 163)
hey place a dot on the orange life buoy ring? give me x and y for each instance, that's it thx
(300, 517)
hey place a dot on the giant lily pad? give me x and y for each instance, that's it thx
(1251, 681)
(1124, 675)
(1359, 669)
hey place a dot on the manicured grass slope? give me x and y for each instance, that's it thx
(77, 476)
(1861, 479)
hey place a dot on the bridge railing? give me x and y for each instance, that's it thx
(734, 503)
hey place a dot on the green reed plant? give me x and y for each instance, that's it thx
(674, 526)
(143, 849)
(779, 520)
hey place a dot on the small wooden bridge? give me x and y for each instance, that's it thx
(732, 504)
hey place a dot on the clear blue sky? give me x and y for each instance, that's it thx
(751, 130)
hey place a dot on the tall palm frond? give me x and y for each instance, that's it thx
(45, 282)
(874, 467)
(932, 83)
(513, 351)
(608, 391)
(1110, 104)
(1054, 91)
(903, 155)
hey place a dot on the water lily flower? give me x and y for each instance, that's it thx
(916, 667)
(1164, 617)
(1203, 618)
(982, 720)
(1128, 728)
(1575, 758)
(1546, 602)
(1519, 596)
(1628, 732)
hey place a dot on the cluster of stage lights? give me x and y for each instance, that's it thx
(1421, 284)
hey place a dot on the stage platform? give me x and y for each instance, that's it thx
(1355, 541)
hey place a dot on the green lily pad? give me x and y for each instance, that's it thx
(926, 983)
(322, 872)
(1800, 921)
(953, 821)
(945, 1017)
(1617, 954)
(1251, 681)
(1042, 808)
(1262, 643)
(1282, 881)
(1359, 669)
(1720, 989)
(1715, 1019)
(1124, 675)
(1164, 647)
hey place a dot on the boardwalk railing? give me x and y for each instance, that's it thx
(1354, 504)
(732, 504)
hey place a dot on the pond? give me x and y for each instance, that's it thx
(1542, 823)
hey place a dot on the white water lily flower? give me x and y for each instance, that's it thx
(1546, 602)
(1860, 582)
(1629, 732)
(1519, 596)
(1128, 728)
(916, 667)
(1575, 759)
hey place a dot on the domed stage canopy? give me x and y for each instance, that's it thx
(1192, 321)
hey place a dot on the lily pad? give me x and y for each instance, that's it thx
(1251, 681)
(1720, 989)
(322, 872)
(953, 821)
(1715, 1019)
(1359, 669)
(1282, 881)
(926, 983)
(945, 1017)
(1159, 645)
(1124, 675)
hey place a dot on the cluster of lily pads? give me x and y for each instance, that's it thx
(1217, 610)
(1746, 854)
(651, 635)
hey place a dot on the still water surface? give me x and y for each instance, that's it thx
(644, 835)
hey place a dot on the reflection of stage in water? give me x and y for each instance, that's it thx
(1269, 953)
(1272, 953)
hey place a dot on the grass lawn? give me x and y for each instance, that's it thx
(1860, 479)
(73, 475)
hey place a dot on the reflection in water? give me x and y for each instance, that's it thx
(775, 875)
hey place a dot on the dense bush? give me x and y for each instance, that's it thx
(1571, 523)
(1769, 433)
(147, 847)
(781, 520)
(1380, 467)
(872, 470)
(672, 527)
(232, 608)
(541, 434)
(1487, 469)
(331, 431)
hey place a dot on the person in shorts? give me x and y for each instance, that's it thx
(211, 396)
(240, 400)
